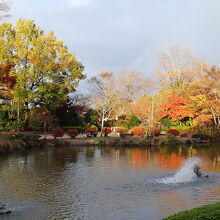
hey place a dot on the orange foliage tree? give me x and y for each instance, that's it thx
(7, 82)
(142, 109)
(177, 108)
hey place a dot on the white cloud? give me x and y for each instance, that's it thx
(79, 3)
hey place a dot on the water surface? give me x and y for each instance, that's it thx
(103, 183)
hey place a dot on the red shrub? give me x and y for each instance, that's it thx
(173, 132)
(156, 131)
(72, 132)
(138, 130)
(90, 130)
(106, 130)
(57, 132)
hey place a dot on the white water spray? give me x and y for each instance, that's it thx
(185, 174)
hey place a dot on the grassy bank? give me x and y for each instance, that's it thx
(13, 142)
(207, 212)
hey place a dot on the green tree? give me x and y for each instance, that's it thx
(45, 70)
(133, 121)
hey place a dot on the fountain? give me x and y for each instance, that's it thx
(3, 210)
(186, 173)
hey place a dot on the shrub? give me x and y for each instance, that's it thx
(173, 132)
(134, 121)
(20, 136)
(182, 127)
(72, 133)
(121, 130)
(201, 136)
(138, 130)
(90, 130)
(156, 131)
(106, 130)
(78, 128)
(211, 212)
(58, 132)
(94, 127)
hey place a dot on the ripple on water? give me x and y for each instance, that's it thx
(71, 183)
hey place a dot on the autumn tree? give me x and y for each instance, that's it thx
(177, 108)
(45, 71)
(7, 82)
(146, 111)
(206, 94)
(4, 9)
(104, 98)
(132, 85)
(177, 69)
(41, 117)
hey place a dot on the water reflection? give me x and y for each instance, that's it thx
(103, 182)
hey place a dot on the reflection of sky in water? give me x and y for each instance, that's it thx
(104, 183)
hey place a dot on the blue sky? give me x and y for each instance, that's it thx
(120, 34)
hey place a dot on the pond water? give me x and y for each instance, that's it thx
(104, 183)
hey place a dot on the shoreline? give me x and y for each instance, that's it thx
(10, 146)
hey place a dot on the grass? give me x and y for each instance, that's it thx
(207, 212)
(9, 145)
(12, 142)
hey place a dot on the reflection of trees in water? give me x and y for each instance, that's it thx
(107, 152)
(33, 173)
(43, 170)
(171, 157)
(90, 152)
(212, 157)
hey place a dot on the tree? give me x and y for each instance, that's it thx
(45, 71)
(177, 108)
(178, 69)
(7, 82)
(41, 117)
(131, 85)
(206, 93)
(145, 110)
(4, 9)
(104, 98)
(133, 121)
(91, 118)
(71, 112)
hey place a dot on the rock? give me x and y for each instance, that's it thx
(186, 135)
(81, 136)
(196, 140)
(120, 144)
(49, 144)
(114, 134)
(155, 141)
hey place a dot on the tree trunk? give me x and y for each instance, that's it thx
(102, 125)
(45, 130)
(26, 118)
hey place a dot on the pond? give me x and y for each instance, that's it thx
(105, 183)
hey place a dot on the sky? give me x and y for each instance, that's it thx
(112, 35)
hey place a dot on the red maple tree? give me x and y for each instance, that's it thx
(177, 108)
(7, 82)
(5, 79)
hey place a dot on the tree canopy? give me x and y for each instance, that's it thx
(44, 69)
